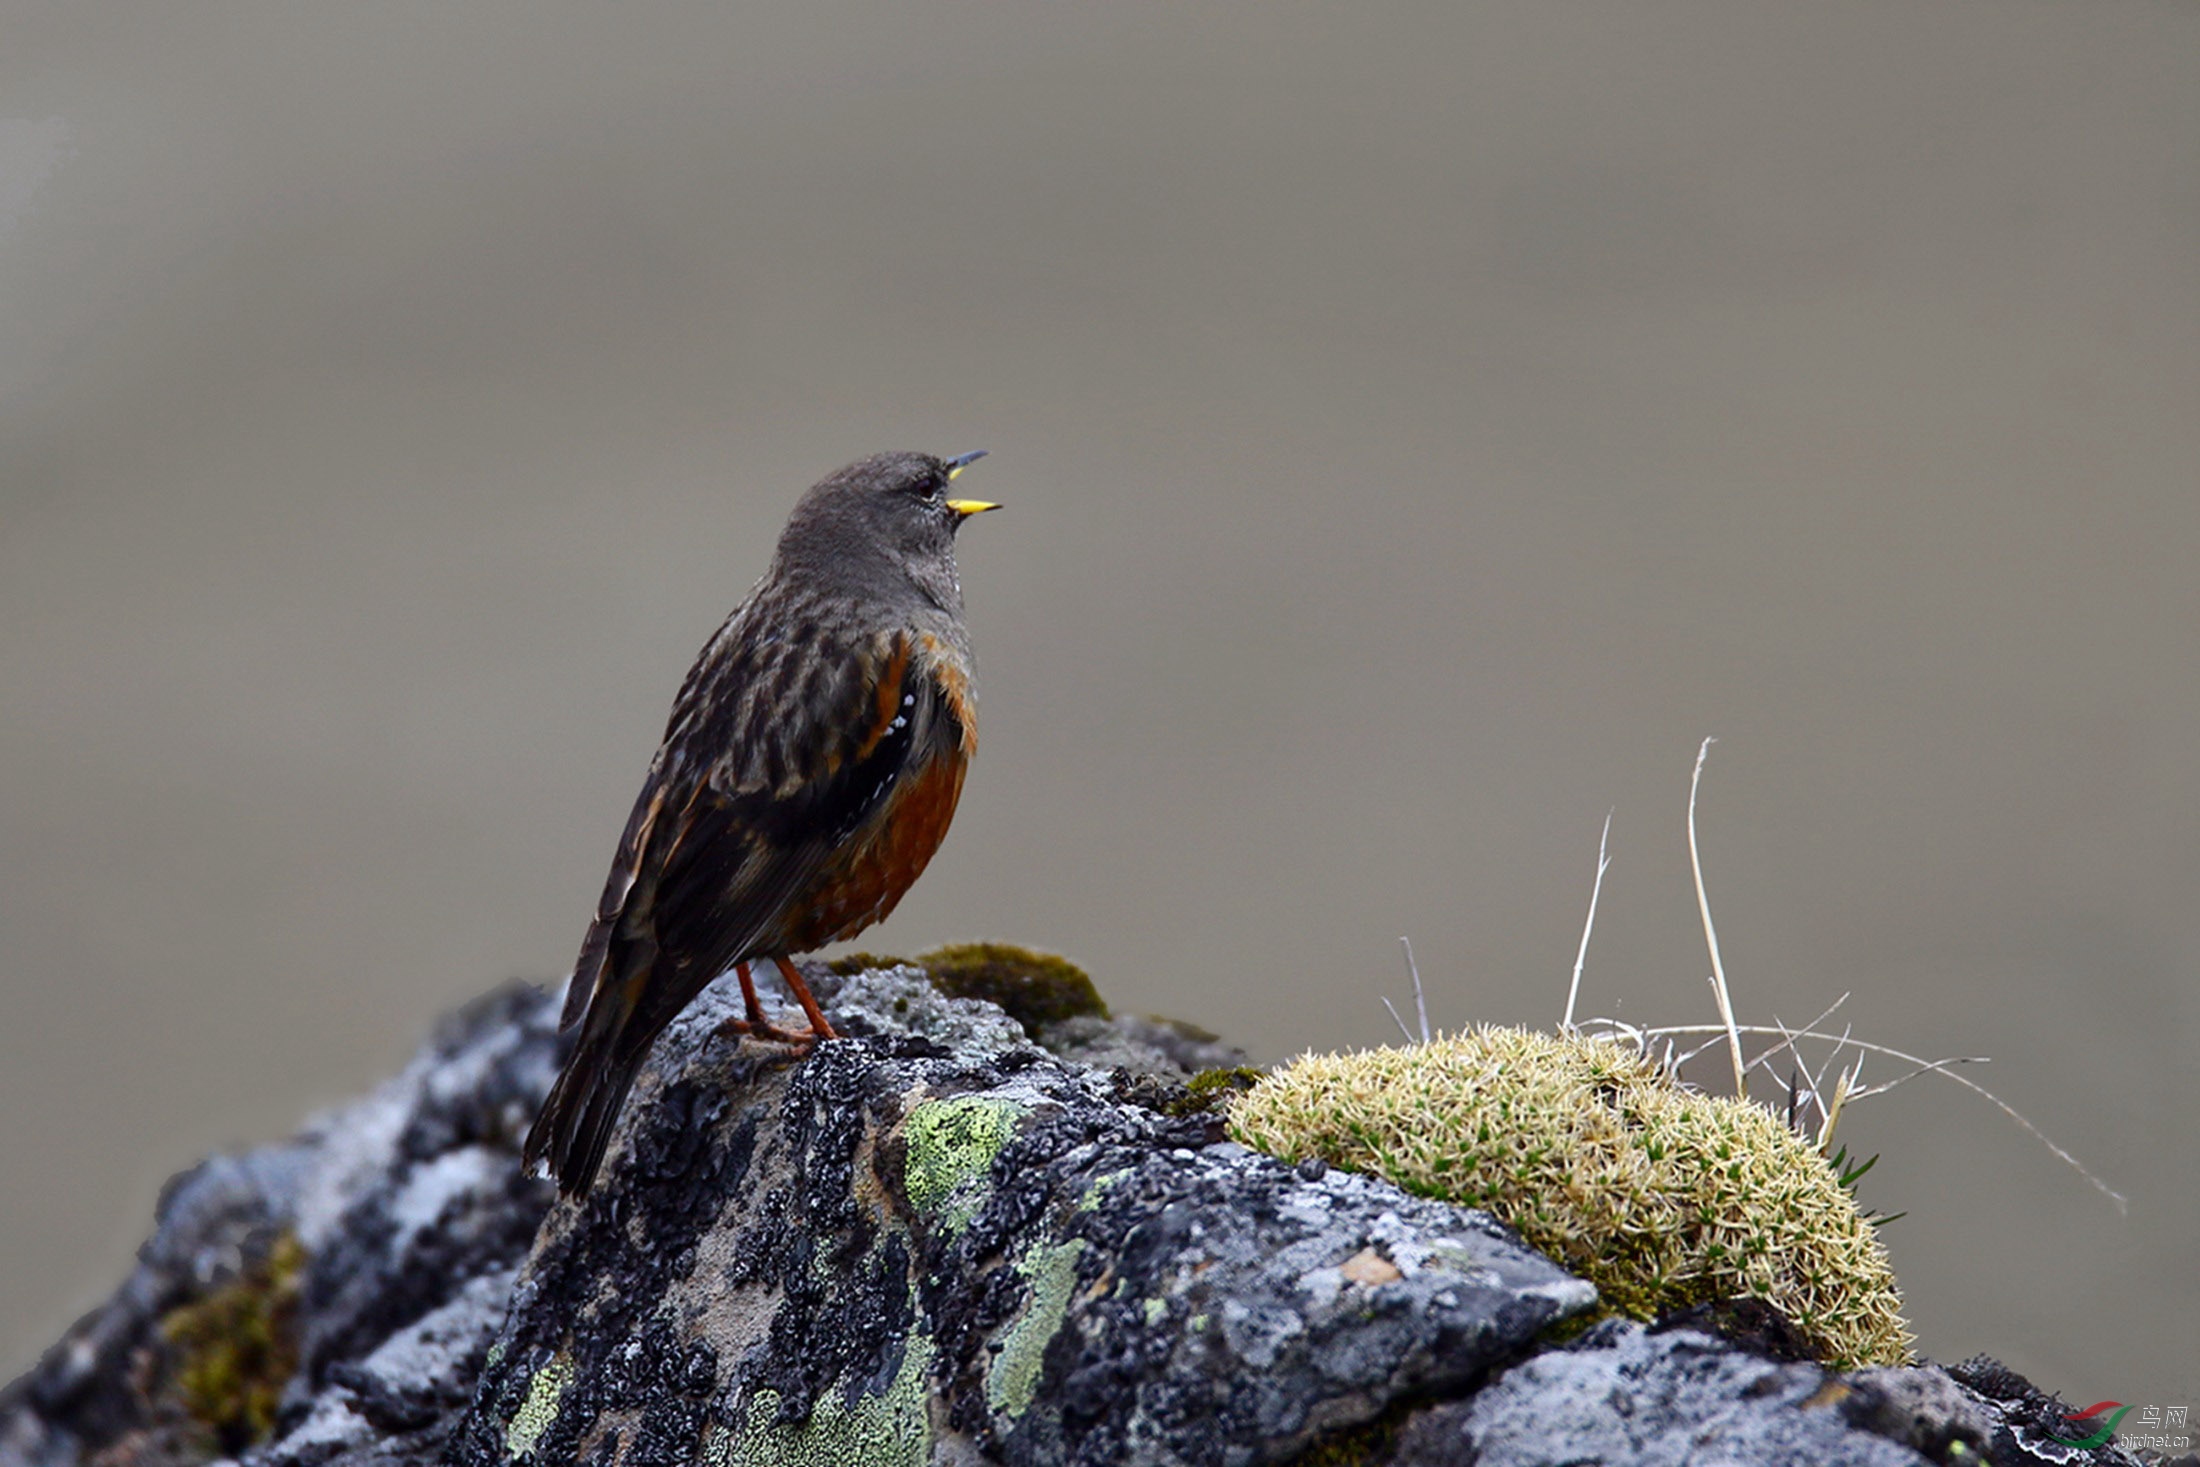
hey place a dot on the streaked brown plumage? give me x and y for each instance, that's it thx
(809, 770)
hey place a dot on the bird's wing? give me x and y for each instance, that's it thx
(748, 802)
(588, 970)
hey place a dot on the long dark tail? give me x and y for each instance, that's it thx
(576, 1120)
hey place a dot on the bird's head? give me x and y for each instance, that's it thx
(892, 508)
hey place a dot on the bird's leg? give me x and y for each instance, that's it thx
(819, 1028)
(756, 1023)
(749, 1000)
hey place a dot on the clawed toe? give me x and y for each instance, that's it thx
(771, 1033)
(804, 1041)
(759, 1027)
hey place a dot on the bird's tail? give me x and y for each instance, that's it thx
(576, 1120)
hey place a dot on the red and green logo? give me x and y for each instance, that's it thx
(2074, 1422)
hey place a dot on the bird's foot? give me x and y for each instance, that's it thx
(771, 1033)
(759, 1027)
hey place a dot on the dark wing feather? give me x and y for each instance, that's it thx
(625, 866)
(745, 807)
(744, 860)
(772, 760)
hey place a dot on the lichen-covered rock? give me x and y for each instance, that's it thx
(280, 1285)
(932, 1242)
(893, 1251)
(1672, 1398)
(1048, 998)
(1622, 1395)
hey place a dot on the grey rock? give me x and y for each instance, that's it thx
(979, 1254)
(400, 1201)
(396, 1405)
(935, 1241)
(903, 1001)
(2026, 1421)
(1622, 1394)
(1920, 1407)
(1143, 1045)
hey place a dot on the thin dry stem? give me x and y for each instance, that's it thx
(1841, 1084)
(1809, 1079)
(1641, 1035)
(1718, 1036)
(1789, 1042)
(1420, 1000)
(1869, 1091)
(1711, 932)
(1604, 841)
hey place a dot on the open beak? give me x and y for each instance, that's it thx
(966, 507)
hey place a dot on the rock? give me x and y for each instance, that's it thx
(935, 1241)
(397, 1404)
(2026, 1420)
(411, 1217)
(895, 1248)
(1623, 1393)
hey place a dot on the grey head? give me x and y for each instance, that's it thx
(880, 529)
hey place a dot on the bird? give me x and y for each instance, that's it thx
(808, 772)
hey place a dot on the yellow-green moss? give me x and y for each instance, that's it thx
(1210, 1089)
(1661, 1197)
(854, 963)
(1354, 1446)
(234, 1349)
(1037, 989)
(949, 1146)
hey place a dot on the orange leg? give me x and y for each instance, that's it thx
(756, 1023)
(819, 1028)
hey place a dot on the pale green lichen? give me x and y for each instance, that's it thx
(950, 1146)
(1098, 1189)
(1662, 1197)
(892, 1429)
(540, 1409)
(1155, 1308)
(1013, 1382)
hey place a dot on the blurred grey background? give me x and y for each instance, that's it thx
(1420, 426)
